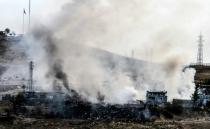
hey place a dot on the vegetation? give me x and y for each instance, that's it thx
(195, 97)
(4, 33)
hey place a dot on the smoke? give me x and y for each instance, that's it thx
(65, 49)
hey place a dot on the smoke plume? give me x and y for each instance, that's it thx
(67, 51)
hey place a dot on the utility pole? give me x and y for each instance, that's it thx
(31, 67)
(200, 50)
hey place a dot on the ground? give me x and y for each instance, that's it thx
(31, 123)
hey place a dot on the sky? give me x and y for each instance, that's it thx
(12, 12)
(171, 23)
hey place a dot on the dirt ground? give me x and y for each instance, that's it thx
(30, 123)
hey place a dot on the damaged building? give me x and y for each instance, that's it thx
(156, 98)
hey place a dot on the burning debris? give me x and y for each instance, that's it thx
(64, 105)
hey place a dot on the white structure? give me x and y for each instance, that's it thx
(156, 98)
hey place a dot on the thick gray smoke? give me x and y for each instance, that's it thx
(67, 55)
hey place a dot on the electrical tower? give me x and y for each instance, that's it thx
(200, 50)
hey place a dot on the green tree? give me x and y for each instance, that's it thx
(7, 31)
(195, 96)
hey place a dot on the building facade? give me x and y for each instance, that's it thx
(156, 98)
